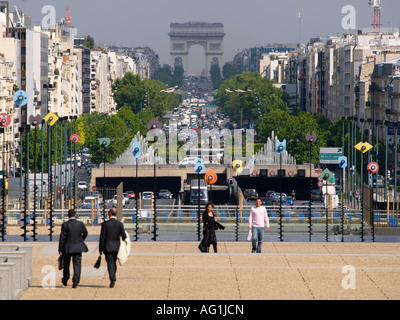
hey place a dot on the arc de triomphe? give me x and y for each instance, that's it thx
(184, 35)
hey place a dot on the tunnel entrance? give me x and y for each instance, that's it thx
(300, 185)
(172, 184)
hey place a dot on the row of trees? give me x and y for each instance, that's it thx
(170, 77)
(250, 98)
(138, 101)
(228, 71)
(245, 98)
(137, 95)
(120, 128)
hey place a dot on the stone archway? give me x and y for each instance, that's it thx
(208, 35)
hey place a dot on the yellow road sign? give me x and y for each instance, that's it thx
(51, 118)
(363, 147)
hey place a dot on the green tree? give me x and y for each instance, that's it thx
(119, 128)
(249, 96)
(216, 78)
(228, 71)
(177, 77)
(89, 43)
(139, 94)
(164, 74)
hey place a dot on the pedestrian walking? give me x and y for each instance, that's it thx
(210, 224)
(109, 243)
(258, 219)
(71, 245)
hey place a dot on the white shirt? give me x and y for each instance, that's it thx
(258, 215)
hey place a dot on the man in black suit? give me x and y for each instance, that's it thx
(71, 245)
(109, 243)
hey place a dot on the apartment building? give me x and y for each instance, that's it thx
(334, 74)
(7, 87)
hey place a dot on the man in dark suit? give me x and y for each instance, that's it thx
(71, 245)
(109, 243)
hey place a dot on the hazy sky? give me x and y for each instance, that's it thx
(247, 23)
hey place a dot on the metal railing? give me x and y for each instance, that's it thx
(187, 219)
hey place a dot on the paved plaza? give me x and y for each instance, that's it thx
(176, 270)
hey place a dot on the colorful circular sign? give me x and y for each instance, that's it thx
(5, 120)
(373, 167)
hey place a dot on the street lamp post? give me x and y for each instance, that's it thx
(34, 121)
(363, 148)
(104, 142)
(280, 148)
(342, 164)
(237, 166)
(137, 152)
(199, 168)
(51, 119)
(153, 125)
(311, 137)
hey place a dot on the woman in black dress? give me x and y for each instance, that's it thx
(209, 226)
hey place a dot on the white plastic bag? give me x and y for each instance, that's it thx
(124, 250)
(249, 236)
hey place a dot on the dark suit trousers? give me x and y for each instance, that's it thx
(77, 263)
(111, 258)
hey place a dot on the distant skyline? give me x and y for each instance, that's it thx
(135, 23)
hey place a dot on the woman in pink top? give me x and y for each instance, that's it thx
(257, 220)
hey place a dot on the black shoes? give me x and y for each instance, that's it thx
(74, 285)
(112, 284)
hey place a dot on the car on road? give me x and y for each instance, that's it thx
(266, 201)
(90, 201)
(131, 194)
(269, 193)
(82, 185)
(317, 195)
(147, 194)
(126, 197)
(250, 194)
(275, 198)
(115, 199)
(165, 194)
(287, 201)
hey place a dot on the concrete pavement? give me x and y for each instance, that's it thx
(178, 271)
